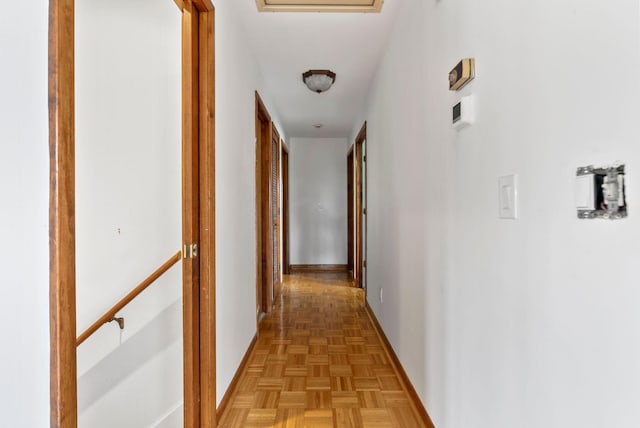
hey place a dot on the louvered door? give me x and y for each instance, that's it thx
(275, 208)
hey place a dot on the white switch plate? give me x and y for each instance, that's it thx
(508, 196)
(585, 195)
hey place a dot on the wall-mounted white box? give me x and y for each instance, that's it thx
(463, 113)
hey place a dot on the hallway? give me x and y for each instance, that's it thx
(319, 362)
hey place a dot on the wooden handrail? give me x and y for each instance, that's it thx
(128, 298)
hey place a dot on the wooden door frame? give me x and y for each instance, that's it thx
(198, 213)
(359, 250)
(350, 212)
(286, 261)
(276, 218)
(264, 247)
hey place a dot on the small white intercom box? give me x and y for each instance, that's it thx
(463, 113)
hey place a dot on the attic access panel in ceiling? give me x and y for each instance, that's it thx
(319, 5)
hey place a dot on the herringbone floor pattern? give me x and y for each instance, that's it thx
(319, 362)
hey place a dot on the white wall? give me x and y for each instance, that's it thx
(318, 200)
(504, 323)
(24, 255)
(237, 77)
(128, 206)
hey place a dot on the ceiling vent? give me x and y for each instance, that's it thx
(319, 5)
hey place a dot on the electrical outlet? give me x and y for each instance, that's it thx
(381, 295)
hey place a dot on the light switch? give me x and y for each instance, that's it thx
(585, 194)
(508, 196)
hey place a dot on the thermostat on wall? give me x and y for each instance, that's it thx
(463, 113)
(462, 73)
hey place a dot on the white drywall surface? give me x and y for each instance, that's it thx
(318, 201)
(502, 323)
(238, 77)
(128, 206)
(24, 189)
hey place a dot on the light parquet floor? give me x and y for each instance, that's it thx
(319, 362)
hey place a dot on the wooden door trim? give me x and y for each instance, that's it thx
(198, 189)
(350, 213)
(286, 261)
(261, 117)
(264, 246)
(199, 115)
(207, 339)
(359, 258)
(190, 213)
(275, 219)
(62, 237)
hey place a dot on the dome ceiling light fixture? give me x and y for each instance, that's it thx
(319, 80)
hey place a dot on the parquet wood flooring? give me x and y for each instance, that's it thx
(319, 362)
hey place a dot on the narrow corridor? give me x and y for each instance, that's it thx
(319, 362)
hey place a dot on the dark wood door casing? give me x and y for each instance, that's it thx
(286, 263)
(266, 209)
(350, 217)
(274, 209)
(198, 211)
(358, 220)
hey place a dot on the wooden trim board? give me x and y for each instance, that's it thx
(318, 268)
(198, 214)
(62, 234)
(264, 209)
(406, 383)
(190, 215)
(236, 378)
(207, 247)
(350, 211)
(286, 265)
(358, 213)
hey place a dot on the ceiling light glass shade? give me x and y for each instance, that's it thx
(319, 80)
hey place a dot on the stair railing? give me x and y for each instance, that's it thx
(110, 315)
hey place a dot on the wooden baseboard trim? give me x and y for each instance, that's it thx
(407, 385)
(318, 268)
(236, 378)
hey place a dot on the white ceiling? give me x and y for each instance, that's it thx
(288, 44)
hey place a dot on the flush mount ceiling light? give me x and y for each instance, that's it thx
(319, 5)
(319, 80)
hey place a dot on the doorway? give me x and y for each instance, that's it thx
(357, 208)
(350, 210)
(286, 263)
(267, 210)
(198, 173)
